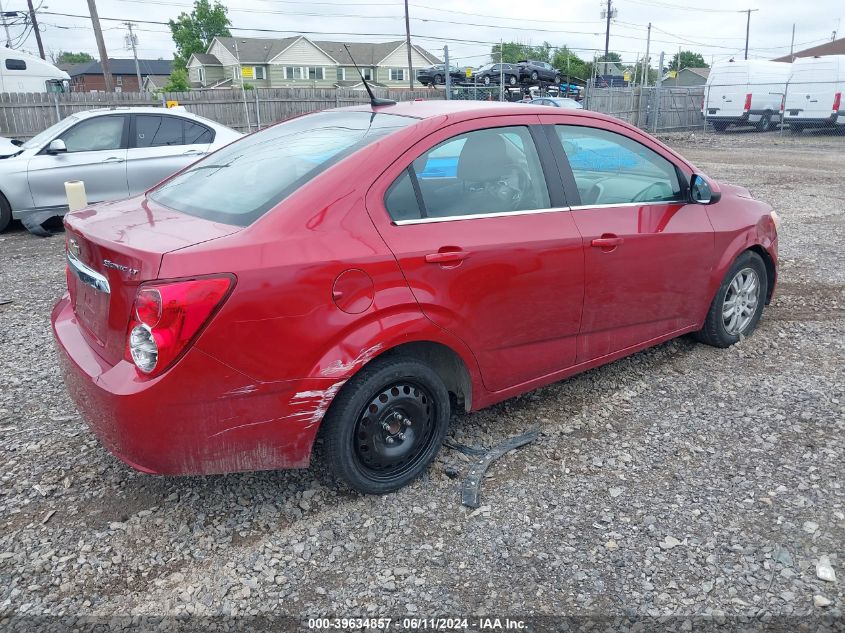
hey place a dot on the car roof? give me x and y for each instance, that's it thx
(138, 110)
(465, 109)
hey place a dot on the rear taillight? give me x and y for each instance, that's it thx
(747, 105)
(166, 317)
(837, 101)
(783, 103)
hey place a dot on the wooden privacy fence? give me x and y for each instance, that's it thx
(23, 115)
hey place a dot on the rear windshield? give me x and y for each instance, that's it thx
(241, 182)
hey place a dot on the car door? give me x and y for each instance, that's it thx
(479, 226)
(96, 155)
(160, 145)
(648, 253)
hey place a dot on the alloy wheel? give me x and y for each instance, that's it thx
(740, 301)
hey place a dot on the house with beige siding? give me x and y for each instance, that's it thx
(301, 62)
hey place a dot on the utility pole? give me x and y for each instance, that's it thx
(408, 46)
(792, 43)
(5, 26)
(34, 21)
(607, 35)
(748, 29)
(132, 43)
(101, 46)
(646, 65)
(447, 76)
(501, 70)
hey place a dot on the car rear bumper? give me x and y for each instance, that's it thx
(199, 417)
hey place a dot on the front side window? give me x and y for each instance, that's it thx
(496, 170)
(241, 182)
(610, 168)
(90, 135)
(15, 64)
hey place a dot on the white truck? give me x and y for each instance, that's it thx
(814, 96)
(22, 72)
(745, 92)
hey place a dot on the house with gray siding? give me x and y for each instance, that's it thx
(301, 62)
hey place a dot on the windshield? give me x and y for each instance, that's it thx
(244, 180)
(42, 138)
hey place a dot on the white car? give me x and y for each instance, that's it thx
(116, 152)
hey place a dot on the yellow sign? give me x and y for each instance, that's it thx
(673, 73)
(247, 72)
(626, 76)
(172, 104)
(469, 73)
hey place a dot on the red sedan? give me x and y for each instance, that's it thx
(363, 273)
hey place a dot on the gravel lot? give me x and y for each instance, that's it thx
(682, 481)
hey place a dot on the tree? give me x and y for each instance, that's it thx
(178, 81)
(568, 63)
(513, 52)
(689, 59)
(65, 57)
(192, 33)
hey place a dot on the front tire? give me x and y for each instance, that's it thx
(486, 80)
(438, 79)
(512, 81)
(534, 75)
(386, 425)
(738, 304)
(557, 79)
(5, 213)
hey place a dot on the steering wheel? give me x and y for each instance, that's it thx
(643, 195)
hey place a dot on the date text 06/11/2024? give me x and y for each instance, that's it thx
(416, 624)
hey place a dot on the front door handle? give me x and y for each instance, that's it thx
(446, 257)
(114, 159)
(607, 242)
(194, 152)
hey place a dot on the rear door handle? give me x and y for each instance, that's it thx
(194, 152)
(446, 257)
(607, 242)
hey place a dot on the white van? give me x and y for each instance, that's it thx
(21, 72)
(745, 92)
(814, 96)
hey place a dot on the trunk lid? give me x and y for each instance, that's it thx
(112, 248)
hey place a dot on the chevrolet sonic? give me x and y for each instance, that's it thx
(361, 274)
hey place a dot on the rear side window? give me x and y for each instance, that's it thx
(196, 133)
(610, 168)
(496, 170)
(243, 181)
(15, 64)
(155, 131)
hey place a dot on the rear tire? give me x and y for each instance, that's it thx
(486, 80)
(534, 75)
(5, 213)
(438, 79)
(796, 128)
(738, 304)
(557, 79)
(720, 126)
(512, 81)
(386, 425)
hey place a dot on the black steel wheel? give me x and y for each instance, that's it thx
(386, 425)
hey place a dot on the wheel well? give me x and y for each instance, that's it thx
(448, 365)
(770, 270)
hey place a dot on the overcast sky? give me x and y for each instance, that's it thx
(715, 28)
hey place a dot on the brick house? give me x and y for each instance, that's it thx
(88, 76)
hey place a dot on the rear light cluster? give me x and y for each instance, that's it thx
(783, 103)
(166, 317)
(837, 101)
(747, 105)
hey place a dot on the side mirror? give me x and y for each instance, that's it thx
(700, 191)
(56, 146)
